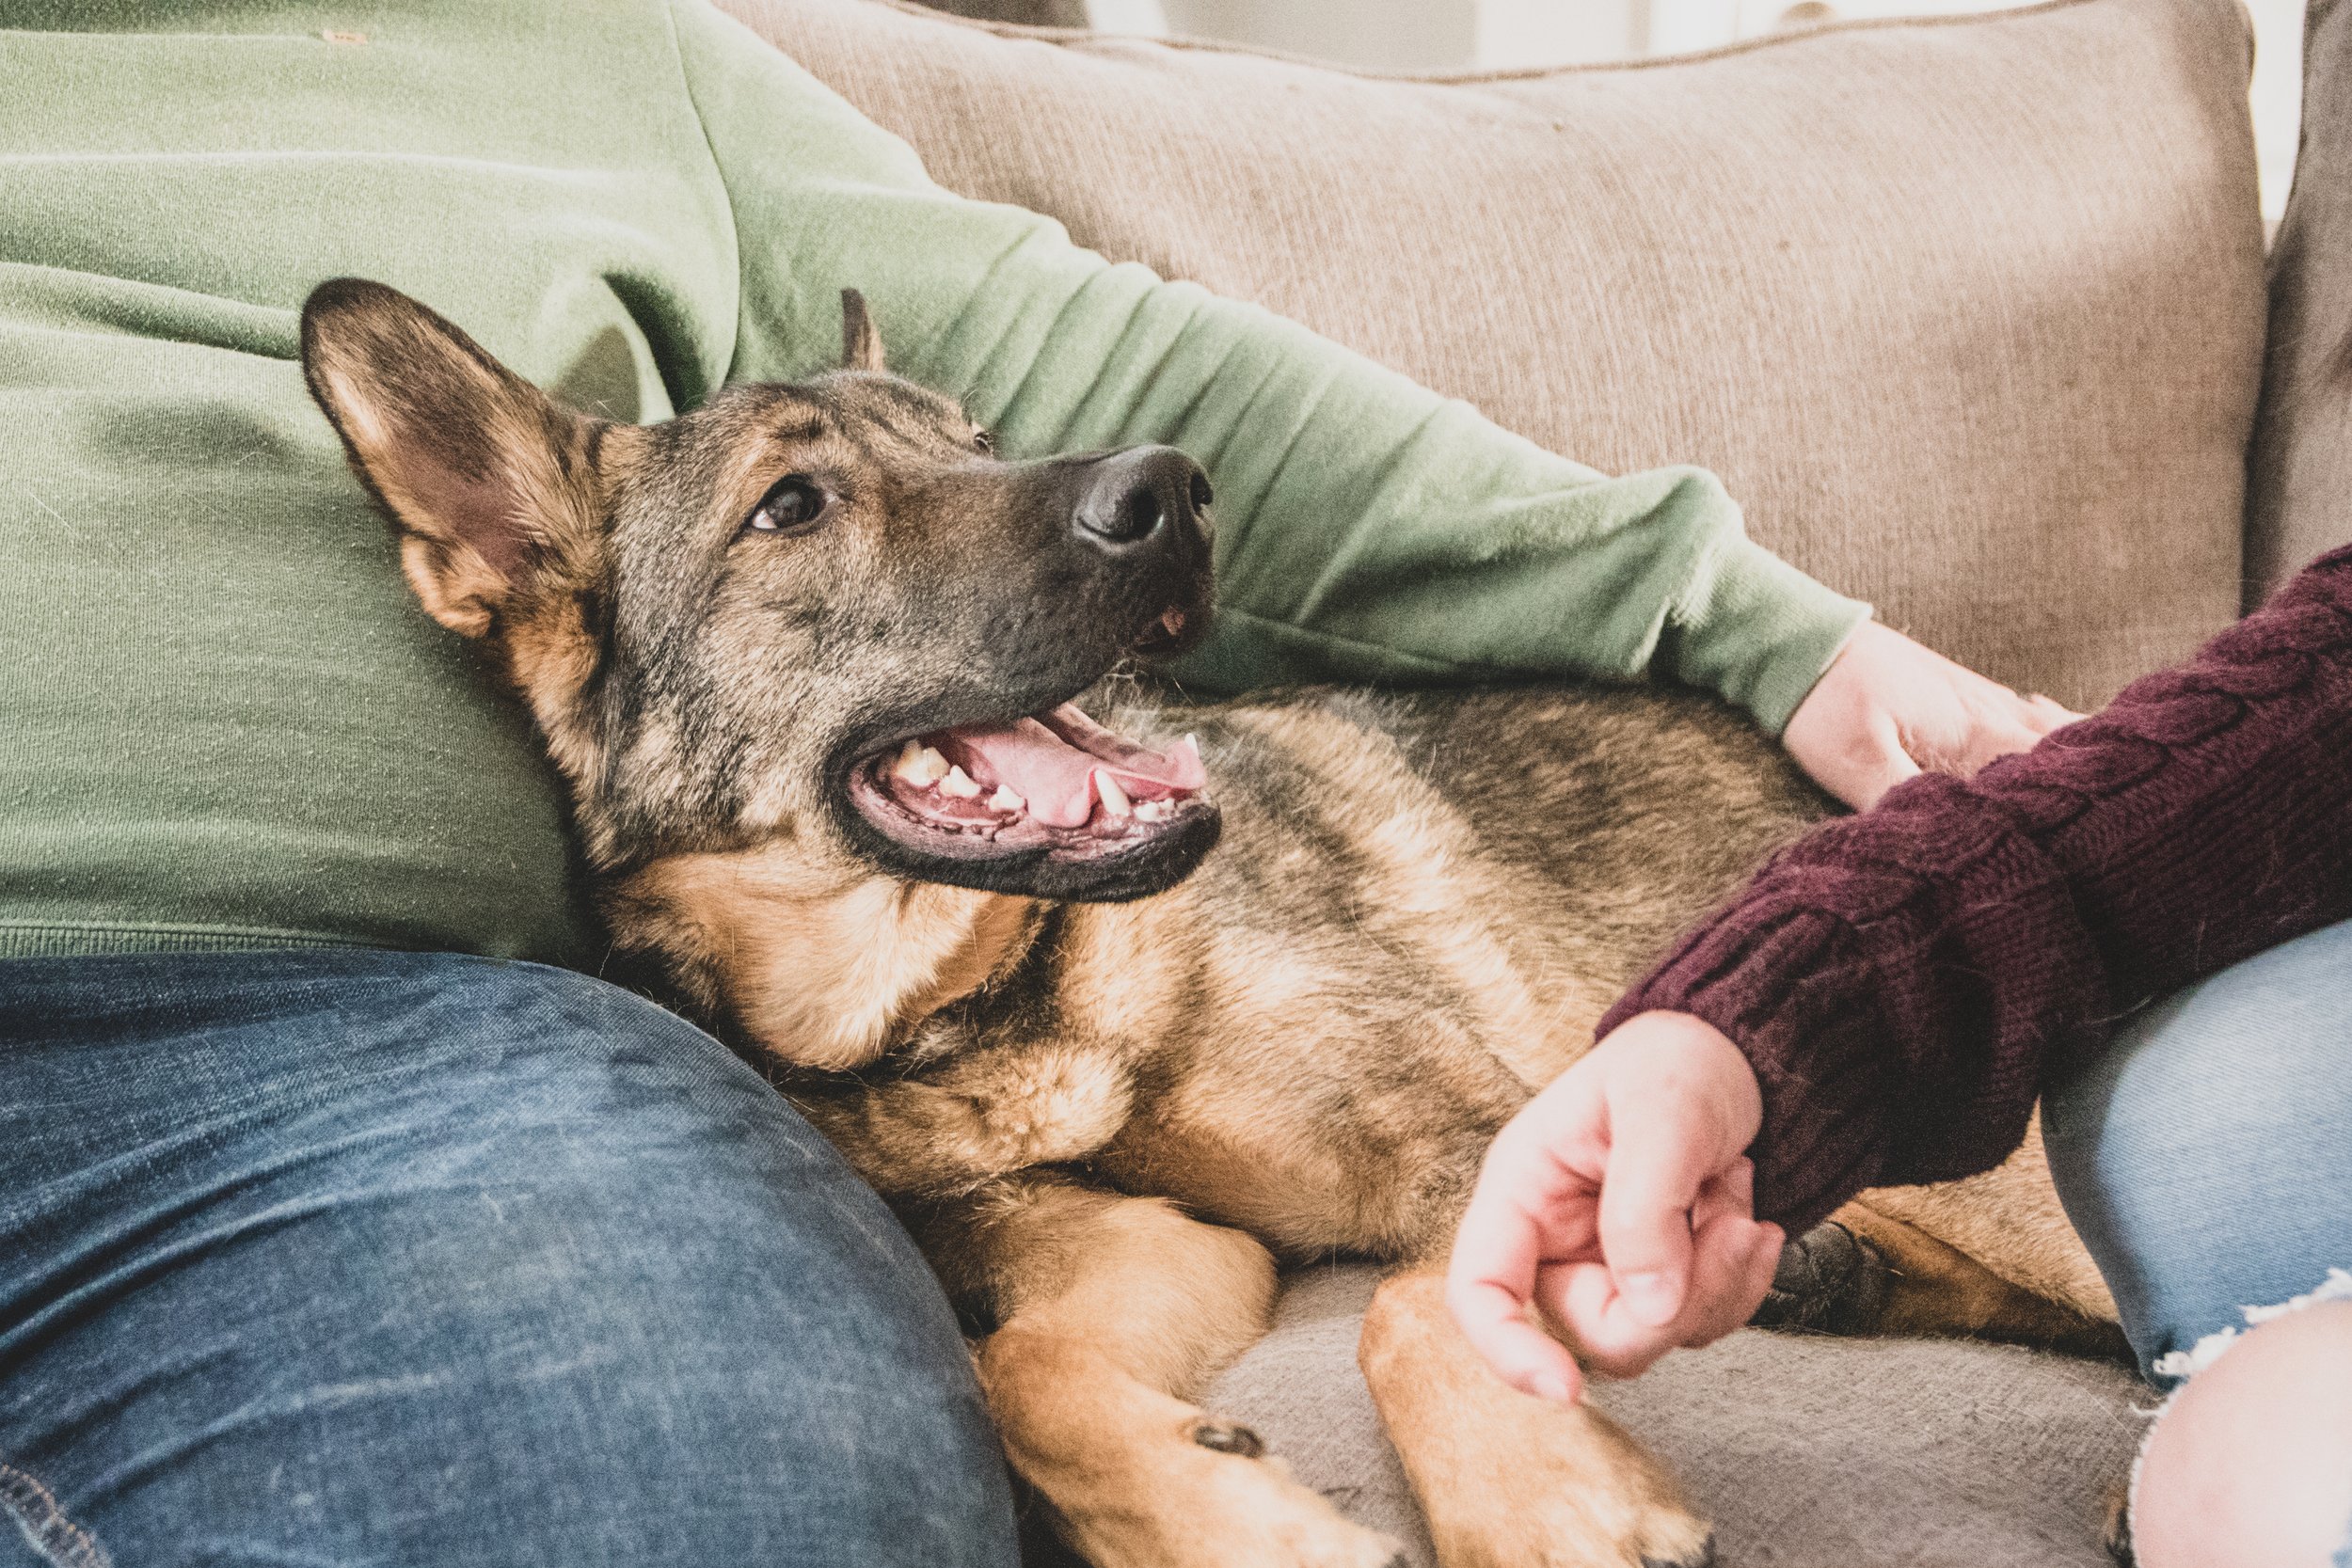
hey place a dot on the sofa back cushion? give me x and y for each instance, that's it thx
(1968, 312)
(2301, 472)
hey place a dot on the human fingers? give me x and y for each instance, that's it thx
(1523, 1355)
(1724, 1288)
(1730, 1191)
(1988, 741)
(1731, 1268)
(1490, 1282)
(1724, 1243)
(1582, 1299)
(1527, 1205)
(1856, 754)
(1955, 720)
(1661, 1155)
(2049, 715)
(1733, 1264)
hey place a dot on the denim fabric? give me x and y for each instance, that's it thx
(345, 1258)
(2206, 1157)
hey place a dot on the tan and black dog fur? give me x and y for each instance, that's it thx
(1112, 1090)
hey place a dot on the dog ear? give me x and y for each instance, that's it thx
(491, 483)
(861, 343)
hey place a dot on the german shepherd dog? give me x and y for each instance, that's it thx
(807, 659)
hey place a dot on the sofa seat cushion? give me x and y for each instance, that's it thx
(1805, 1453)
(1968, 312)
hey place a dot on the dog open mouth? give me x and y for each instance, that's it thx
(1055, 782)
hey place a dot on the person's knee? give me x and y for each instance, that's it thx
(2201, 1157)
(524, 1270)
(2252, 1462)
(731, 1334)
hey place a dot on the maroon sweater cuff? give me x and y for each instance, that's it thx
(1904, 981)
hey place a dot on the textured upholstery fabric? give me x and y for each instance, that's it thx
(1968, 312)
(1804, 1453)
(2300, 493)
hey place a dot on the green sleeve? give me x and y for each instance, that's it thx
(1367, 529)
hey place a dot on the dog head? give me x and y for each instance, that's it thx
(823, 612)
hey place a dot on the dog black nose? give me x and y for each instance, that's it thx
(1143, 494)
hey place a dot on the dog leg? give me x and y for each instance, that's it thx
(2009, 1220)
(987, 1114)
(1509, 1481)
(1111, 1312)
(1932, 1288)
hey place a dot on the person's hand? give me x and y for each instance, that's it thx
(1887, 709)
(1618, 1202)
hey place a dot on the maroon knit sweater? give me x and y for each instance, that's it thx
(1904, 981)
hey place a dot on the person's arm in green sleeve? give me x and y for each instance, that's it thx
(1367, 529)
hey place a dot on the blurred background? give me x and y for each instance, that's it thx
(1512, 35)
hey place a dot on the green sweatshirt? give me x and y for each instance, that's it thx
(224, 723)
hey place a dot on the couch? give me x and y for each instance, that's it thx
(1970, 312)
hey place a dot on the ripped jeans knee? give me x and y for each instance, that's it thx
(2248, 1459)
(2206, 1156)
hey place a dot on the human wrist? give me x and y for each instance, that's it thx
(1758, 631)
(1699, 1067)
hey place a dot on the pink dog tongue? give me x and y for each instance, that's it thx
(1050, 762)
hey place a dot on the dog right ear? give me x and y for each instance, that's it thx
(492, 484)
(861, 340)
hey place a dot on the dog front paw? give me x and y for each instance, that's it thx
(1829, 1281)
(1559, 1513)
(1217, 1500)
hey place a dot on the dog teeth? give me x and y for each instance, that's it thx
(1115, 802)
(961, 785)
(1005, 800)
(920, 765)
(1154, 811)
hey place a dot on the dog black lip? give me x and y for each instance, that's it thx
(1149, 859)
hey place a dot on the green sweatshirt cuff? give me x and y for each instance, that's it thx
(1756, 629)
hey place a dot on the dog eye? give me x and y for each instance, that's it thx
(983, 441)
(791, 505)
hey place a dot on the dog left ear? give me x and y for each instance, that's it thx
(861, 343)
(492, 484)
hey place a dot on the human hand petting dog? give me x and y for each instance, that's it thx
(1889, 709)
(1619, 1204)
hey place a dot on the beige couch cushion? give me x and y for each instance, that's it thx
(2301, 467)
(1968, 312)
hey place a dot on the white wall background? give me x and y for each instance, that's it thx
(1485, 35)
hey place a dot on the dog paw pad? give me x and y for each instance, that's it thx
(1829, 1281)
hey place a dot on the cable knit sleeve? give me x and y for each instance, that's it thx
(1905, 980)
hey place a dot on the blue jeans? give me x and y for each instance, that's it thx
(327, 1257)
(2206, 1157)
